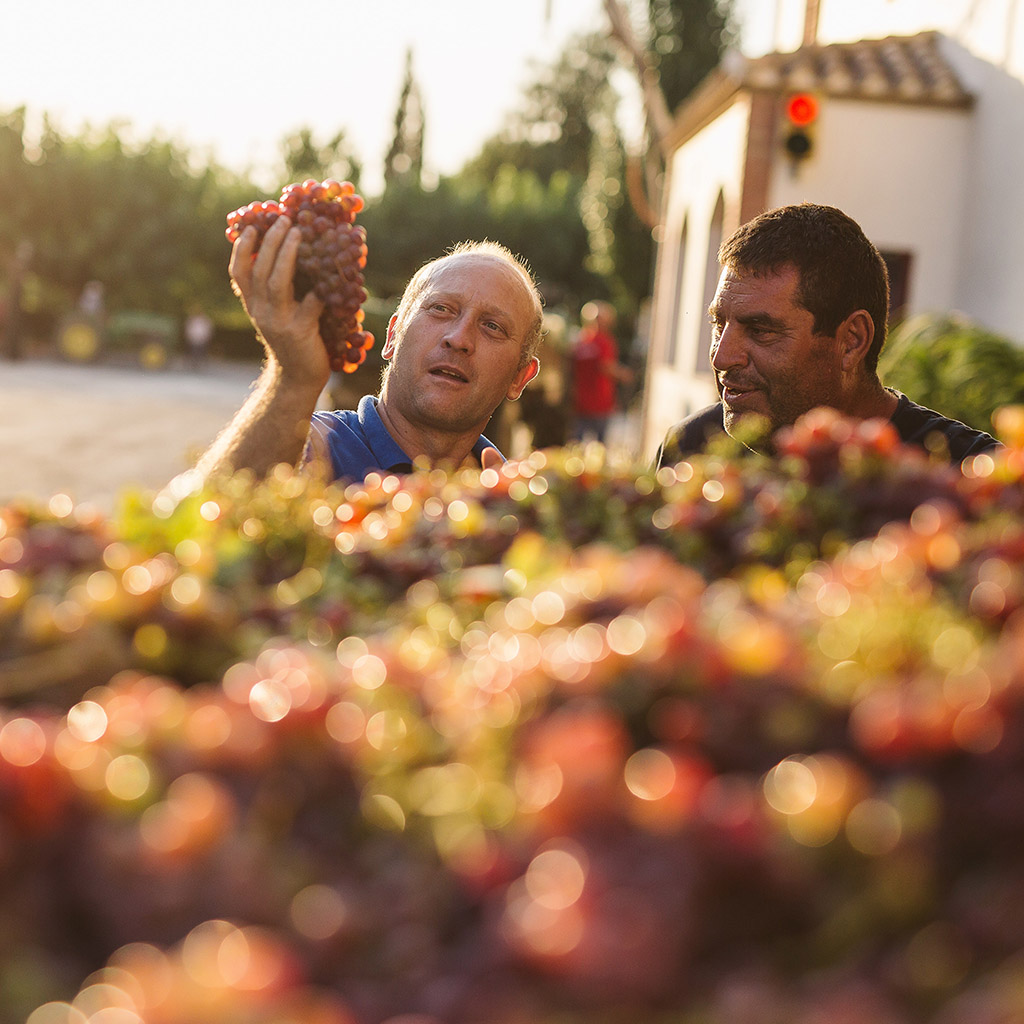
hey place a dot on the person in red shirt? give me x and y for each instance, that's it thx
(596, 373)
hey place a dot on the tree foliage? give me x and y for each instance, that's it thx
(143, 221)
(303, 157)
(947, 362)
(403, 165)
(686, 39)
(147, 220)
(523, 189)
(554, 128)
(536, 219)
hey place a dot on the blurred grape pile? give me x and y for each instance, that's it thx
(738, 742)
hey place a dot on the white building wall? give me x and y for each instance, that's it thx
(900, 173)
(984, 42)
(709, 164)
(991, 255)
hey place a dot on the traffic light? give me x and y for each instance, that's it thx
(801, 113)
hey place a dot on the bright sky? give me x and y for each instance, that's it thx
(232, 77)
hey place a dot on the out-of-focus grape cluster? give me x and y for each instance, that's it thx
(330, 262)
(738, 741)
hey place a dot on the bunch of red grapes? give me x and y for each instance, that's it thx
(331, 258)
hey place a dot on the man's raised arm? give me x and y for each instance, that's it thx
(272, 426)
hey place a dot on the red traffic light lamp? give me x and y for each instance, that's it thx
(802, 109)
(801, 113)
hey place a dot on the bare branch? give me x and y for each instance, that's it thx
(659, 118)
(638, 188)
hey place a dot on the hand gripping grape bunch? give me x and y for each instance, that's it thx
(330, 260)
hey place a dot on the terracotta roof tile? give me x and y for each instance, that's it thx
(907, 68)
(904, 69)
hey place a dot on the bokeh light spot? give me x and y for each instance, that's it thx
(556, 877)
(874, 827)
(790, 787)
(57, 1013)
(127, 778)
(87, 721)
(319, 912)
(22, 742)
(650, 774)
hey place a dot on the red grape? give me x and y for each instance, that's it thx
(330, 262)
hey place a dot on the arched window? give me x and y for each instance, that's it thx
(702, 363)
(675, 323)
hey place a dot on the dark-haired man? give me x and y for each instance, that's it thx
(798, 321)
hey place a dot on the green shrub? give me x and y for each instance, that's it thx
(954, 366)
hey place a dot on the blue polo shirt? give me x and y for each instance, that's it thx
(359, 442)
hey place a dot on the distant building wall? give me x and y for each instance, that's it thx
(700, 174)
(992, 282)
(900, 173)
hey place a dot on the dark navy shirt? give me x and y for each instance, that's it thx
(914, 423)
(359, 443)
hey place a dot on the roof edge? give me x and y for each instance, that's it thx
(908, 70)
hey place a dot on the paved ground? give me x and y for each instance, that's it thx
(93, 431)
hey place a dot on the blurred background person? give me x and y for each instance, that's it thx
(596, 373)
(198, 335)
(543, 408)
(91, 302)
(13, 301)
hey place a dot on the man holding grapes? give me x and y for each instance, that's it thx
(463, 339)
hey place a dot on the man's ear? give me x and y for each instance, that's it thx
(855, 335)
(388, 349)
(522, 378)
